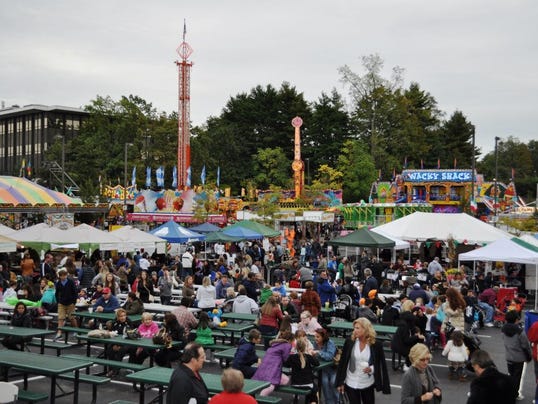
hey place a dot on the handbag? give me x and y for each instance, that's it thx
(161, 338)
(133, 334)
(337, 356)
(343, 398)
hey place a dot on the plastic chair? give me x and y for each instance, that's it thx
(8, 392)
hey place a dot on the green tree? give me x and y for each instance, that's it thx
(273, 168)
(358, 170)
(457, 133)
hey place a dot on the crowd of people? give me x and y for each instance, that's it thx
(430, 309)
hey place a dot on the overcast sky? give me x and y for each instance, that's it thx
(476, 56)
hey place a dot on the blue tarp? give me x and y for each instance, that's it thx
(243, 233)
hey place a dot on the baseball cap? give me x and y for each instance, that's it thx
(106, 290)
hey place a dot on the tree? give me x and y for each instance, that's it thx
(273, 168)
(457, 146)
(358, 170)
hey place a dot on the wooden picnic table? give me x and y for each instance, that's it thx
(160, 376)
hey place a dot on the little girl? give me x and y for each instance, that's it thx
(204, 334)
(458, 354)
(302, 367)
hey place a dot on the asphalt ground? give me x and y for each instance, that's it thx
(454, 392)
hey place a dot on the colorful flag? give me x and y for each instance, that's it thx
(218, 176)
(29, 169)
(474, 207)
(148, 177)
(159, 175)
(23, 168)
(202, 176)
(174, 177)
(189, 183)
(133, 178)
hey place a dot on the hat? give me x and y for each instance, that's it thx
(416, 286)
(362, 301)
(106, 290)
(372, 293)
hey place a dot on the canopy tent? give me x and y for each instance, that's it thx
(264, 230)
(504, 250)
(19, 191)
(38, 237)
(399, 244)
(135, 239)
(424, 226)
(242, 233)
(529, 239)
(205, 228)
(219, 236)
(5, 230)
(174, 233)
(7, 244)
(363, 238)
(90, 238)
(527, 245)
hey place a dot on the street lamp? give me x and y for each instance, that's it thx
(495, 179)
(125, 178)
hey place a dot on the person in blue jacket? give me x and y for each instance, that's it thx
(326, 292)
(245, 354)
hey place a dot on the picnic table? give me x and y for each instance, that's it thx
(47, 365)
(26, 332)
(160, 376)
(345, 326)
(240, 316)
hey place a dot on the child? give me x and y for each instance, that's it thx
(458, 354)
(302, 366)
(270, 370)
(245, 355)
(204, 334)
(280, 288)
(301, 334)
(147, 329)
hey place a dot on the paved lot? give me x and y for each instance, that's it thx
(454, 392)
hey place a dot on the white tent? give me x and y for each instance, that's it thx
(529, 239)
(39, 236)
(7, 244)
(399, 243)
(461, 227)
(134, 239)
(503, 250)
(89, 238)
(5, 230)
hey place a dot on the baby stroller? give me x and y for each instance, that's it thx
(343, 307)
(474, 318)
(507, 299)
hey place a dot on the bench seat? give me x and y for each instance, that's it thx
(58, 346)
(109, 362)
(32, 396)
(94, 380)
(268, 399)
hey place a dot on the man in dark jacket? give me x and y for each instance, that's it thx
(185, 382)
(490, 386)
(245, 355)
(66, 296)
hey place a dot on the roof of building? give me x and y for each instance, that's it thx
(16, 110)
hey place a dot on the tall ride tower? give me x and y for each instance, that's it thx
(184, 107)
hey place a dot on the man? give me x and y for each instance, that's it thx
(370, 283)
(221, 286)
(255, 267)
(434, 266)
(186, 385)
(326, 291)
(184, 316)
(107, 303)
(66, 296)
(486, 301)
(490, 386)
(144, 263)
(186, 262)
(45, 268)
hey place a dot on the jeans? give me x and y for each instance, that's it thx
(329, 392)
(488, 318)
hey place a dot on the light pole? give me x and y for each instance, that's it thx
(125, 179)
(495, 179)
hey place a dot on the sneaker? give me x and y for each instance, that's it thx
(489, 325)
(520, 397)
(57, 337)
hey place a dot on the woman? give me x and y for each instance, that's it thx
(101, 270)
(165, 284)
(362, 368)
(147, 329)
(187, 290)
(144, 287)
(326, 350)
(117, 352)
(206, 294)
(20, 318)
(407, 334)
(28, 267)
(174, 332)
(133, 304)
(112, 282)
(454, 309)
(270, 318)
(310, 300)
(420, 383)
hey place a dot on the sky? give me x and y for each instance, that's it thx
(476, 56)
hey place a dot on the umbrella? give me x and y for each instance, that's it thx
(242, 233)
(219, 236)
(19, 190)
(363, 238)
(174, 233)
(205, 228)
(264, 230)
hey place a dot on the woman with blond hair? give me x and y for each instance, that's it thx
(362, 369)
(420, 383)
(206, 294)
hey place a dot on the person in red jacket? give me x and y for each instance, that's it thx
(232, 383)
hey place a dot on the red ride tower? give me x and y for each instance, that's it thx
(184, 106)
